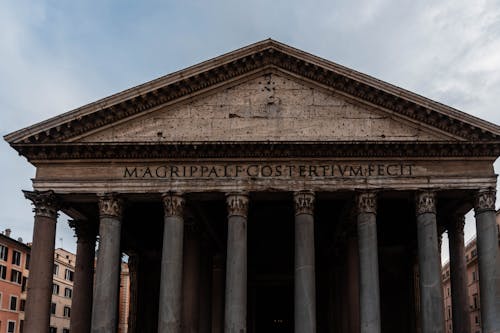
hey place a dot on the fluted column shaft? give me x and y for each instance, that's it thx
(107, 276)
(37, 318)
(489, 260)
(81, 303)
(305, 276)
(369, 291)
(236, 265)
(431, 299)
(458, 276)
(170, 300)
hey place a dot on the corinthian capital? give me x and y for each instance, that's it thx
(485, 200)
(237, 204)
(110, 205)
(85, 230)
(304, 202)
(366, 202)
(173, 203)
(45, 203)
(457, 224)
(425, 202)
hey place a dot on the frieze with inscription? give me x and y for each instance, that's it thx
(323, 170)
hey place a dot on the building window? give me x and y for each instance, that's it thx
(3, 272)
(4, 252)
(27, 263)
(11, 326)
(474, 277)
(68, 275)
(15, 276)
(65, 330)
(21, 326)
(52, 329)
(22, 305)
(53, 308)
(55, 289)
(24, 283)
(449, 312)
(476, 320)
(473, 253)
(474, 301)
(448, 291)
(16, 258)
(13, 303)
(68, 292)
(56, 269)
(67, 312)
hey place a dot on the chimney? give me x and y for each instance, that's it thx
(7, 232)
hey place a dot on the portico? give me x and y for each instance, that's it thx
(287, 192)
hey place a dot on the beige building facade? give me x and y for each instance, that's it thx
(266, 190)
(472, 281)
(62, 290)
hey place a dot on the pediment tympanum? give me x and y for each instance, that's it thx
(266, 99)
(271, 106)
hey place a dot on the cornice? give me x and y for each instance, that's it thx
(259, 56)
(400, 149)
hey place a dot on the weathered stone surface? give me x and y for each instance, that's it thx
(269, 107)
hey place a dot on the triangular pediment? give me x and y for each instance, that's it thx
(267, 106)
(228, 98)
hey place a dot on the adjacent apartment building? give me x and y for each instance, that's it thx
(472, 286)
(14, 273)
(14, 265)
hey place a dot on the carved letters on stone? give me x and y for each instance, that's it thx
(173, 203)
(45, 203)
(425, 202)
(366, 202)
(485, 200)
(110, 205)
(304, 202)
(237, 204)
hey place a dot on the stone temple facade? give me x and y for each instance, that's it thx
(266, 190)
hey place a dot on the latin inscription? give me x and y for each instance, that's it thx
(269, 171)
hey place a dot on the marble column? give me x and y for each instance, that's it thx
(81, 303)
(191, 279)
(369, 289)
(305, 277)
(37, 311)
(431, 299)
(236, 264)
(458, 271)
(107, 275)
(170, 301)
(489, 260)
(218, 294)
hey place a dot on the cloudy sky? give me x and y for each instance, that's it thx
(59, 55)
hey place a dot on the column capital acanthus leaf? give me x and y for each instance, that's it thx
(110, 205)
(84, 230)
(304, 202)
(366, 202)
(173, 204)
(485, 200)
(45, 203)
(237, 204)
(425, 202)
